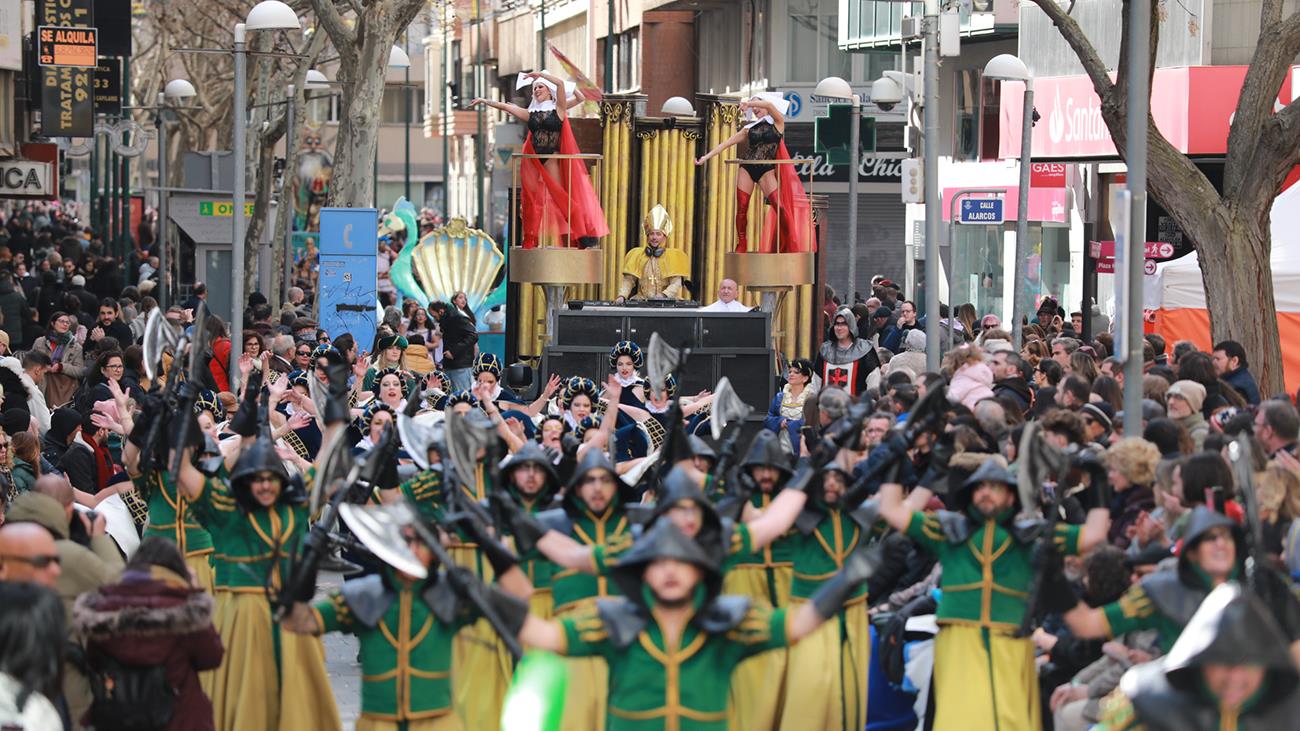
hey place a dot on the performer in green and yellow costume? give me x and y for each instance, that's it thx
(655, 271)
(268, 679)
(984, 676)
(682, 503)
(479, 689)
(671, 642)
(407, 627)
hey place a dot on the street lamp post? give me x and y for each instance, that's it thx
(933, 204)
(837, 88)
(1139, 107)
(1006, 67)
(176, 90)
(266, 15)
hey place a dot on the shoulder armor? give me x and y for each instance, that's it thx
(639, 513)
(368, 598)
(623, 620)
(1028, 530)
(808, 519)
(867, 515)
(956, 526)
(557, 520)
(441, 599)
(722, 614)
(1158, 706)
(1171, 597)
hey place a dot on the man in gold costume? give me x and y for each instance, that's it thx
(655, 271)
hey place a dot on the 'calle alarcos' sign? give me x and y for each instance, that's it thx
(25, 179)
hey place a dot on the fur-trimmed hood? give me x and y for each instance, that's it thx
(142, 605)
(35, 397)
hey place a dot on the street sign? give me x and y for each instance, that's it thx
(66, 92)
(65, 46)
(980, 210)
(831, 134)
(108, 87)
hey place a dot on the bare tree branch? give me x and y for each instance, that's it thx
(1277, 45)
(332, 21)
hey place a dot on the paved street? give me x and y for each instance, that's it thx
(341, 663)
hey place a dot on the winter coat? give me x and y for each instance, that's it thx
(1017, 389)
(20, 391)
(460, 338)
(1244, 382)
(84, 569)
(78, 464)
(156, 618)
(24, 475)
(219, 366)
(12, 308)
(1124, 511)
(37, 711)
(971, 384)
(1196, 428)
(60, 386)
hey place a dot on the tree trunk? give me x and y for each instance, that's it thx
(1240, 309)
(352, 184)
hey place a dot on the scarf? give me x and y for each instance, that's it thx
(628, 382)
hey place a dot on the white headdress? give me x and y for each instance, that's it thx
(781, 103)
(525, 80)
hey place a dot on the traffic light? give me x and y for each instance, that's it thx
(831, 134)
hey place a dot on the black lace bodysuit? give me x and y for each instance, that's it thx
(545, 129)
(763, 141)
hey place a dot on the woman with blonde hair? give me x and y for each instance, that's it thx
(1131, 467)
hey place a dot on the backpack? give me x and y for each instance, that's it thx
(129, 697)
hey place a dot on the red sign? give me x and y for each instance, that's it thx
(1154, 251)
(1192, 107)
(1047, 175)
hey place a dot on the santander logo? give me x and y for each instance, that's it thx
(1075, 125)
(1056, 123)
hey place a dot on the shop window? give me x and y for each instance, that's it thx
(966, 115)
(394, 109)
(990, 109)
(813, 51)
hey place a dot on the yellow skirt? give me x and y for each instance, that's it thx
(201, 565)
(541, 604)
(826, 677)
(756, 701)
(250, 691)
(481, 664)
(449, 722)
(984, 680)
(586, 697)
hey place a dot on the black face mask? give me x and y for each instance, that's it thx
(654, 251)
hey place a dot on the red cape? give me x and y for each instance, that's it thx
(795, 222)
(564, 210)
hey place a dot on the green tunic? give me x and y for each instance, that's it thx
(1136, 611)
(778, 553)
(683, 687)
(607, 533)
(252, 551)
(405, 657)
(986, 578)
(820, 555)
(170, 514)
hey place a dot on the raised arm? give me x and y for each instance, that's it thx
(1095, 529)
(893, 509)
(513, 110)
(768, 109)
(730, 141)
(773, 522)
(552, 385)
